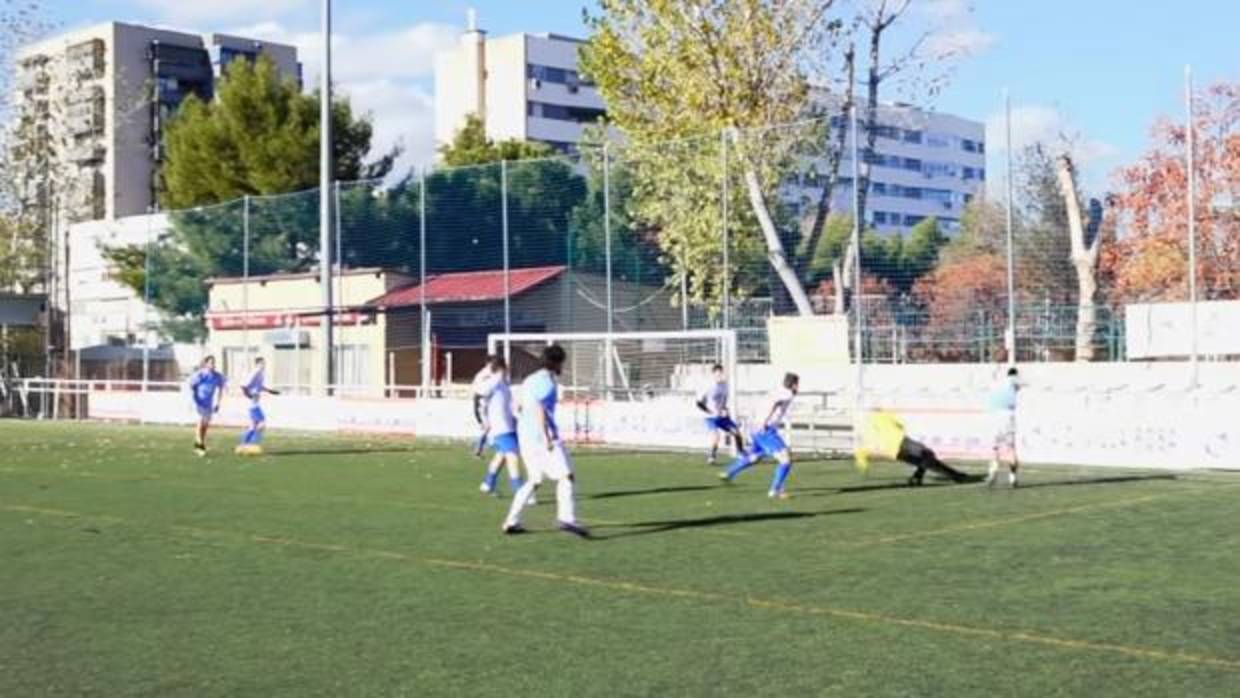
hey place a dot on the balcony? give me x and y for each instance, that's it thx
(86, 153)
(86, 113)
(86, 197)
(86, 60)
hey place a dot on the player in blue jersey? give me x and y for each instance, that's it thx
(541, 449)
(207, 390)
(767, 441)
(252, 440)
(714, 402)
(1002, 410)
(502, 429)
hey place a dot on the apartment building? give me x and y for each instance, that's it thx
(523, 86)
(95, 101)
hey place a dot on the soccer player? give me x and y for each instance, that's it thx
(768, 442)
(503, 430)
(884, 434)
(1003, 420)
(207, 389)
(541, 449)
(252, 439)
(480, 388)
(714, 402)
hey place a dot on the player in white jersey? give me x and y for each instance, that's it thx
(714, 402)
(252, 439)
(480, 388)
(502, 430)
(541, 448)
(1002, 411)
(767, 441)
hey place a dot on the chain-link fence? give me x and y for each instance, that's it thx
(726, 230)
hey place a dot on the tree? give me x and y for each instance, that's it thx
(258, 138)
(471, 146)
(1085, 243)
(677, 71)
(1043, 269)
(1150, 261)
(961, 296)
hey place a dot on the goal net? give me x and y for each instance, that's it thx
(629, 388)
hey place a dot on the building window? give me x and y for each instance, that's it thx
(939, 140)
(912, 136)
(878, 188)
(581, 115)
(911, 220)
(351, 364)
(912, 164)
(880, 217)
(559, 76)
(971, 146)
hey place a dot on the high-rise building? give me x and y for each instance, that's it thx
(522, 86)
(94, 102)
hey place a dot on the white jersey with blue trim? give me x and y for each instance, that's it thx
(781, 402)
(255, 385)
(716, 398)
(539, 393)
(499, 408)
(484, 381)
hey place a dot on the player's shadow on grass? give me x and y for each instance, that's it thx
(1109, 480)
(645, 528)
(339, 451)
(655, 490)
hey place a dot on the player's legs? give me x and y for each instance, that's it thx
(200, 431)
(784, 458)
(714, 444)
(491, 479)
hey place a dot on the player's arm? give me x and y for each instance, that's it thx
(270, 391)
(701, 402)
(219, 396)
(770, 416)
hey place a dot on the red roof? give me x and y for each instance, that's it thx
(468, 287)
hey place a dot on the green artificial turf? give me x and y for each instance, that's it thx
(355, 567)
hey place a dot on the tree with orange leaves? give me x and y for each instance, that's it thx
(1150, 260)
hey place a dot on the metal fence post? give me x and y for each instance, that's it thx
(609, 344)
(1010, 335)
(339, 265)
(503, 178)
(425, 348)
(245, 278)
(146, 305)
(723, 208)
(1190, 145)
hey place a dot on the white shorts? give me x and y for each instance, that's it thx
(1004, 429)
(543, 464)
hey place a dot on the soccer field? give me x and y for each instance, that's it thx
(351, 567)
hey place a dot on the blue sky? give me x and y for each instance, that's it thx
(1103, 70)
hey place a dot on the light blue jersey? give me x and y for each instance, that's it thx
(539, 392)
(1003, 395)
(204, 384)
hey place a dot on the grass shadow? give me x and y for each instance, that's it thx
(1110, 480)
(337, 451)
(655, 490)
(646, 528)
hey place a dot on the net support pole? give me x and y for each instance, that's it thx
(245, 278)
(1010, 335)
(858, 377)
(325, 199)
(607, 266)
(425, 352)
(338, 259)
(503, 183)
(146, 305)
(724, 234)
(1190, 156)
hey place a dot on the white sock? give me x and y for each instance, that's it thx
(519, 501)
(994, 468)
(565, 507)
(1012, 476)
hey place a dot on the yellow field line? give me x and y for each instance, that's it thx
(1007, 521)
(625, 586)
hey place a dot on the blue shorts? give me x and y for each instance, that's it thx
(505, 444)
(256, 414)
(768, 442)
(720, 424)
(204, 411)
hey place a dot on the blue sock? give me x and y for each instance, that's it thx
(491, 480)
(516, 483)
(257, 438)
(247, 437)
(781, 476)
(742, 461)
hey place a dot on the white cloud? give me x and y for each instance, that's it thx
(190, 14)
(1040, 123)
(954, 30)
(385, 74)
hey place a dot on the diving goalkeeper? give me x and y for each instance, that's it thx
(884, 435)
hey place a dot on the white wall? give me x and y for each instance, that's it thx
(505, 88)
(102, 307)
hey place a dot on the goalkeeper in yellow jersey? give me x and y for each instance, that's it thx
(883, 434)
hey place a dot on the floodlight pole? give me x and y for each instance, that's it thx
(325, 194)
